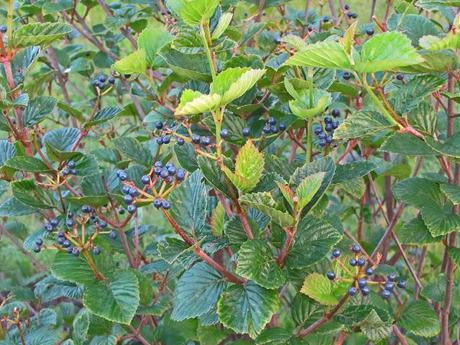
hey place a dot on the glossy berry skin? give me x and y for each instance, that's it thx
(336, 253)
(159, 140)
(60, 240)
(54, 222)
(172, 170)
(352, 291)
(353, 262)
(75, 251)
(346, 7)
(224, 133)
(128, 199)
(273, 129)
(60, 234)
(113, 234)
(346, 75)
(69, 250)
(165, 204)
(205, 141)
(335, 124)
(180, 174)
(326, 19)
(145, 179)
(391, 277)
(180, 141)
(96, 250)
(122, 175)
(362, 283)
(385, 294)
(335, 112)
(356, 248)
(400, 77)
(402, 284)
(157, 203)
(361, 262)
(37, 249)
(369, 271)
(158, 164)
(166, 139)
(39, 242)
(196, 138)
(389, 286)
(328, 127)
(65, 171)
(370, 31)
(71, 164)
(66, 244)
(121, 210)
(158, 125)
(48, 227)
(102, 224)
(246, 131)
(365, 291)
(69, 223)
(164, 173)
(125, 189)
(266, 129)
(322, 142)
(132, 209)
(322, 135)
(282, 127)
(111, 80)
(330, 275)
(157, 171)
(327, 120)
(3, 29)
(133, 192)
(271, 121)
(317, 130)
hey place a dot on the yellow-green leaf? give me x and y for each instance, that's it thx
(194, 102)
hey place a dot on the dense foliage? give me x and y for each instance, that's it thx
(229, 172)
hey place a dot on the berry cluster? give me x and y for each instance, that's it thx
(271, 127)
(100, 81)
(325, 135)
(362, 277)
(69, 169)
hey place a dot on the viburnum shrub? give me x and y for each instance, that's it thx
(229, 172)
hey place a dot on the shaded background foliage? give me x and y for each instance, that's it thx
(294, 129)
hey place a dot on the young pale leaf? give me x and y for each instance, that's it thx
(374, 328)
(134, 63)
(265, 203)
(80, 326)
(308, 188)
(302, 107)
(247, 308)
(197, 292)
(287, 193)
(361, 124)
(448, 148)
(256, 262)
(233, 83)
(223, 24)
(217, 220)
(327, 54)
(386, 52)
(193, 12)
(40, 34)
(151, 40)
(420, 319)
(116, 299)
(348, 38)
(319, 288)
(194, 102)
(249, 165)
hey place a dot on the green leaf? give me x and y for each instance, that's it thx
(134, 63)
(7, 151)
(439, 219)
(450, 41)
(387, 52)
(415, 232)
(327, 54)
(13, 207)
(374, 328)
(212, 335)
(151, 40)
(247, 308)
(80, 326)
(37, 109)
(314, 240)
(406, 144)
(193, 12)
(319, 288)
(353, 170)
(265, 203)
(197, 292)
(29, 164)
(116, 299)
(416, 26)
(420, 319)
(233, 83)
(305, 109)
(103, 115)
(447, 148)
(222, 25)
(134, 150)
(73, 269)
(194, 102)
(40, 34)
(249, 167)
(452, 192)
(362, 123)
(213, 175)
(454, 254)
(189, 203)
(308, 188)
(274, 336)
(27, 192)
(190, 66)
(60, 142)
(217, 220)
(256, 262)
(418, 191)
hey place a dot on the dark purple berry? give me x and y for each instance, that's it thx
(69, 250)
(102, 78)
(335, 124)
(389, 286)
(326, 19)
(336, 253)
(122, 175)
(330, 275)
(125, 189)
(48, 227)
(38, 241)
(172, 170)
(158, 125)
(346, 75)
(3, 29)
(66, 244)
(71, 164)
(370, 31)
(128, 199)
(266, 129)
(205, 141)
(60, 240)
(224, 133)
(145, 179)
(273, 129)
(361, 262)
(322, 142)
(37, 249)
(346, 7)
(86, 209)
(65, 171)
(369, 271)
(111, 80)
(365, 291)
(385, 294)
(102, 224)
(356, 248)
(157, 171)
(133, 192)
(400, 76)
(75, 251)
(180, 174)
(322, 135)
(113, 234)
(328, 127)
(196, 138)
(165, 204)
(271, 121)
(121, 210)
(362, 283)
(335, 112)
(164, 173)
(157, 203)
(327, 119)
(158, 164)
(392, 277)
(180, 141)
(70, 214)
(61, 234)
(352, 291)
(402, 284)
(159, 140)
(353, 262)
(166, 139)
(317, 130)
(96, 250)
(246, 131)
(131, 208)
(69, 222)
(282, 127)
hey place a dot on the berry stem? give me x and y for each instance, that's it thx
(309, 149)
(207, 42)
(92, 264)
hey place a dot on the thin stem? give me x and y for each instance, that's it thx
(207, 42)
(309, 148)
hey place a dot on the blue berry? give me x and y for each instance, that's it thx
(60, 234)
(329, 139)
(335, 124)
(157, 203)
(69, 222)
(131, 208)
(336, 253)
(356, 248)
(266, 129)
(71, 164)
(102, 224)
(391, 277)
(328, 127)
(326, 19)
(37, 249)
(3, 29)
(122, 175)
(73, 171)
(60, 240)
(322, 135)
(353, 262)
(271, 121)
(111, 80)
(196, 138)
(164, 173)
(158, 125)
(352, 291)
(330, 275)
(205, 141)
(121, 210)
(385, 294)
(224, 133)
(159, 140)
(172, 170)
(361, 262)
(70, 214)
(180, 174)
(54, 222)
(157, 171)
(86, 209)
(158, 164)
(38, 241)
(75, 251)
(125, 189)
(389, 286)
(365, 291)
(96, 250)
(362, 283)
(48, 227)
(282, 126)
(165, 204)
(322, 142)
(327, 119)
(66, 244)
(402, 284)
(273, 129)
(180, 141)
(370, 31)
(246, 131)
(166, 139)
(369, 271)
(113, 234)
(145, 179)
(133, 192)
(335, 112)
(102, 78)
(317, 130)
(128, 199)
(400, 76)
(346, 75)
(65, 171)
(69, 250)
